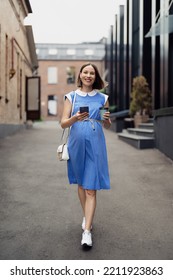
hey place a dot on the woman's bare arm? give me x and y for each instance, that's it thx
(67, 120)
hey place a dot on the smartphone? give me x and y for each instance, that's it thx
(84, 109)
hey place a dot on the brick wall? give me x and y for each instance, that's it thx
(14, 54)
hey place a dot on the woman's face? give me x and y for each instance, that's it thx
(88, 76)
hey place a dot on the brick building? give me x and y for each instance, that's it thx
(59, 65)
(18, 61)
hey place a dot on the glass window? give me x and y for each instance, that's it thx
(53, 51)
(52, 75)
(70, 72)
(89, 52)
(52, 105)
(71, 51)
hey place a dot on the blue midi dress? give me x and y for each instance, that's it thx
(88, 164)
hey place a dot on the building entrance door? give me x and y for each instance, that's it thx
(33, 98)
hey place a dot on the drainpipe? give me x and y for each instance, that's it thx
(12, 70)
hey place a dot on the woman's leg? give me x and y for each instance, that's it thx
(82, 197)
(90, 206)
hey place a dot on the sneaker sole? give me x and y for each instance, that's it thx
(86, 246)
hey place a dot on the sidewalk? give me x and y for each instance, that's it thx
(40, 215)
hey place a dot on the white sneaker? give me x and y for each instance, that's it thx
(83, 224)
(86, 239)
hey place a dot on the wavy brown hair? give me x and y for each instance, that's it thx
(98, 83)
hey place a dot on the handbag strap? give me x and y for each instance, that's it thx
(62, 136)
(74, 99)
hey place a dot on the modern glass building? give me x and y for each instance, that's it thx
(141, 43)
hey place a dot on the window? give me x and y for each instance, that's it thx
(70, 72)
(89, 52)
(52, 75)
(37, 51)
(53, 51)
(71, 51)
(52, 105)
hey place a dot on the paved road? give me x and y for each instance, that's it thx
(40, 216)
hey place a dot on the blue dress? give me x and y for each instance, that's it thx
(88, 164)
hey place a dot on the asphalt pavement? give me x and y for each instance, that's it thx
(40, 214)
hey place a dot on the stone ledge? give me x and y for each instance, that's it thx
(163, 112)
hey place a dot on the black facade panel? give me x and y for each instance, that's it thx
(130, 31)
(110, 65)
(146, 41)
(164, 135)
(164, 51)
(170, 84)
(121, 90)
(135, 39)
(127, 57)
(115, 46)
(156, 75)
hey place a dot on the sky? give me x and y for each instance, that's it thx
(71, 21)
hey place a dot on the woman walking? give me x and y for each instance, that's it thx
(88, 165)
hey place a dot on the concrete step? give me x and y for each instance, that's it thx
(141, 131)
(137, 141)
(149, 125)
(151, 120)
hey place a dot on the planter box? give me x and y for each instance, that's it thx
(138, 119)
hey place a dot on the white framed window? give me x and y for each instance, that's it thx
(52, 105)
(71, 51)
(52, 75)
(52, 51)
(89, 52)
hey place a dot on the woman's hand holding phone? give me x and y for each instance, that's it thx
(83, 113)
(84, 116)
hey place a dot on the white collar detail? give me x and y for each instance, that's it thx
(82, 93)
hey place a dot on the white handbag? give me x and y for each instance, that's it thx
(62, 150)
